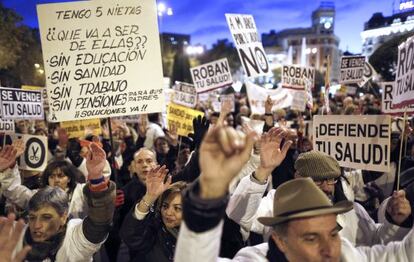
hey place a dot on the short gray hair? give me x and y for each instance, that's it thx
(50, 196)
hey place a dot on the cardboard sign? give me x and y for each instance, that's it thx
(185, 94)
(352, 69)
(34, 157)
(387, 106)
(295, 77)
(78, 128)
(369, 72)
(360, 142)
(102, 58)
(248, 44)
(21, 104)
(257, 96)
(212, 75)
(403, 93)
(182, 118)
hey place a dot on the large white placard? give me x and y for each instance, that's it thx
(403, 94)
(360, 142)
(102, 58)
(35, 156)
(21, 104)
(248, 44)
(212, 75)
(185, 94)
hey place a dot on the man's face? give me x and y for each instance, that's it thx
(45, 223)
(314, 239)
(143, 163)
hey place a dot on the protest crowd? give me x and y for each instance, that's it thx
(209, 175)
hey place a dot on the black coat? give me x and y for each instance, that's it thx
(147, 239)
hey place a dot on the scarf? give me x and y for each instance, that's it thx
(43, 250)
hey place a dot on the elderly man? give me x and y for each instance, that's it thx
(305, 227)
(358, 227)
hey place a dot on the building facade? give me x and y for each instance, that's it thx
(307, 46)
(379, 28)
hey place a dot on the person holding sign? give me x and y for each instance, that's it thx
(54, 237)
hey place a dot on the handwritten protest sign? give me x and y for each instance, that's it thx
(102, 58)
(299, 100)
(248, 44)
(34, 157)
(21, 104)
(77, 128)
(352, 69)
(185, 94)
(360, 142)
(6, 126)
(257, 95)
(295, 77)
(212, 75)
(387, 106)
(182, 118)
(403, 93)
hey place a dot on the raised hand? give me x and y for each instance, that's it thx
(268, 105)
(143, 126)
(172, 135)
(200, 126)
(223, 153)
(7, 157)
(271, 152)
(20, 146)
(155, 183)
(399, 207)
(226, 107)
(95, 161)
(10, 233)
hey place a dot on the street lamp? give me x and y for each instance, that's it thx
(164, 10)
(194, 50)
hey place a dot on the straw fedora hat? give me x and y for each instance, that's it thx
(301, 198)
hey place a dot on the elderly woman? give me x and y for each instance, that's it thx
(151, 234)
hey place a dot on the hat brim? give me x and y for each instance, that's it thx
(338, 208)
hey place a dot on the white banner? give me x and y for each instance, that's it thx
(21, 104)
(295, 77)
(185, 94)
(6, 126)
(352, 69)
(102, 58)
(248, 44)
(212, 75)
(403, 93)
(257, 95)
(386, 103)
(359, 142)
(299, 100)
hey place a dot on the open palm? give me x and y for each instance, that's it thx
(7, 157)
(271, 155)
(95, 161)
(155, 182)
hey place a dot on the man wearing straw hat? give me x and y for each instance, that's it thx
(304, 219)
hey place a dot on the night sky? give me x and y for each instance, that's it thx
(205, 20)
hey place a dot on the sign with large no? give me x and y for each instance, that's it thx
(248, 44)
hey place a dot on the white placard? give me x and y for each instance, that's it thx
(369, 72)
(360, 142)
(102, 58)
(34, 157)
(21, 104)
(299, 100)
(295, 77)
(185, 94)
(352, 69)
(257, 95)
(386, 103)
(6, 126)
(403, 93)
(248, 44)
(212, 75)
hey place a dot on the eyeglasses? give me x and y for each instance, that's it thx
(331, 181)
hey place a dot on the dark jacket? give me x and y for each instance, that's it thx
(148, 240)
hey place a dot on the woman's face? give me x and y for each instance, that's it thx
(171, 211)
(59, 179)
